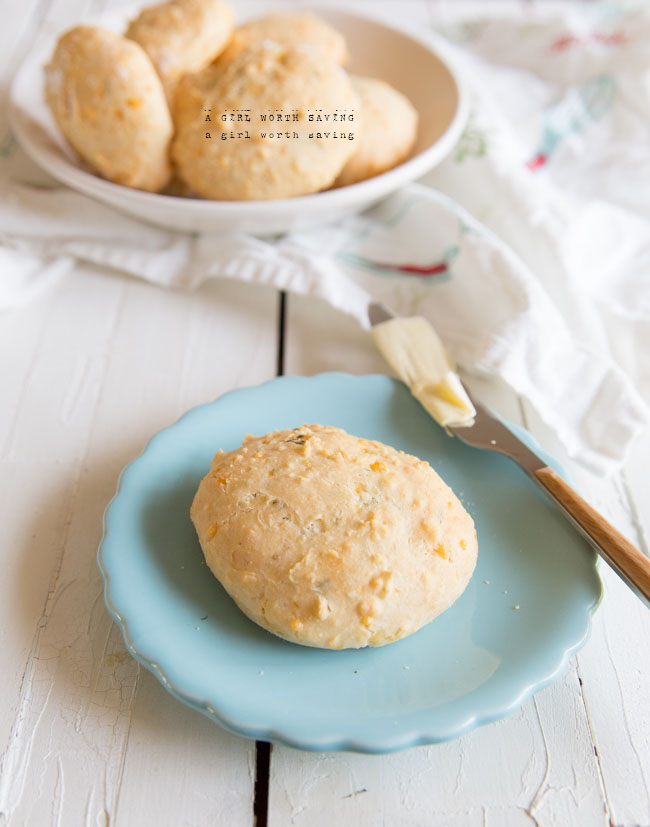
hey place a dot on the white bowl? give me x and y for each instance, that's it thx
(411, 64)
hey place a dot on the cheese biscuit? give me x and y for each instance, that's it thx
(109, 104)
(387, 135)
(332, 541)
(279, 152)
(182, 36)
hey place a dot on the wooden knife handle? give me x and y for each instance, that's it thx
(626, 559)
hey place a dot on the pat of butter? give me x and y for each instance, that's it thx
(412, 348)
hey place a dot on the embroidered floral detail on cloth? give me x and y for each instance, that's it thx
(473, 143)
(533, 248)
(564, 179)
(574, 112)
(377, 236)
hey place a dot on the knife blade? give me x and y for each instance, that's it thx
(489, 433)
(413, 349)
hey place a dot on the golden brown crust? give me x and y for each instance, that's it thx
(303, 29)
(333, 541)
(182, 36)
(109, 104)
(387, 134)
(263, 79)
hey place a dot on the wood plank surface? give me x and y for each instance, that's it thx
(615, 663)
(537, 765)
(87, 737)
(118, 360)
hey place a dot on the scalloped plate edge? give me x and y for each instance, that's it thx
(335, 742)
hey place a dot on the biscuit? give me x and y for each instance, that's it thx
(277, 160)
(182, 36)
(302, 29)
(109, 104)
(332, 541)
(387, 134)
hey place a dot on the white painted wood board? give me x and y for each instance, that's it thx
(89, 373)
(99, 386)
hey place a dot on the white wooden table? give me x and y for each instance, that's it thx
(89, 372)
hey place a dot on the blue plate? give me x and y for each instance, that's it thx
(526, 611)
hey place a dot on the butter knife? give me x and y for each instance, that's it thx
(628, 562)
(483, 430)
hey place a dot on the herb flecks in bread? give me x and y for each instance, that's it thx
(333, 541)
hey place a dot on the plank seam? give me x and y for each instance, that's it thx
(263, 748)
(599, 767)
(282, 317)
(262, 776)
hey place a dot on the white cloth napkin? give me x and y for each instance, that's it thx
(550, 161)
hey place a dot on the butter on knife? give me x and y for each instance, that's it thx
(414, 351)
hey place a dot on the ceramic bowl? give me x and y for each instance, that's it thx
(416, 65)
